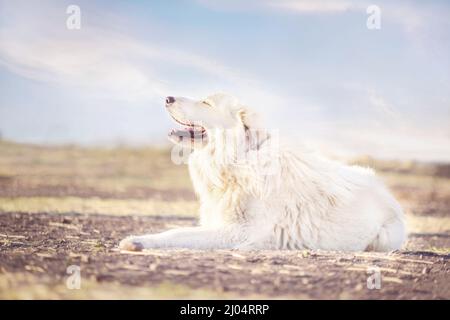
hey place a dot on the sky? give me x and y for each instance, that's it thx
(312, 69)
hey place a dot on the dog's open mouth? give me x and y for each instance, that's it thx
(189, 131)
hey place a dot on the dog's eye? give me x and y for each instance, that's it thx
(207, 103)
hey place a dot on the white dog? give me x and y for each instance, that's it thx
(257, 194)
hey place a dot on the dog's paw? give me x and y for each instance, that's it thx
(131, 244)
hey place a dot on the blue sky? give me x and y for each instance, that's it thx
(311, 68)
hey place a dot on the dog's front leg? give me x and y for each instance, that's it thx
(189, 237)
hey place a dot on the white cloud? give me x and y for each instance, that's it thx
(126, 66)
(91, 61)
(410, 17)
(318, 6)
(296, 6)
(101, 61)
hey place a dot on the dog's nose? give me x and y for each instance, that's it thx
(170, 100)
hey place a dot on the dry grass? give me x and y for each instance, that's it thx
(99, 206)
(416, 224)
(114, 169)
(25, 286)
(121, 182)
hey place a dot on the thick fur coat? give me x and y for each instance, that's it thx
(257, 193)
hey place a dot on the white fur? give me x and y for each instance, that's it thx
(290, 199)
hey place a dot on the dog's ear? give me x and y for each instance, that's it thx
(249, 119)
(243, 116)
(255, 135)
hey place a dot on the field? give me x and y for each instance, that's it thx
(64, 206)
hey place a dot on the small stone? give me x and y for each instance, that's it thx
(359, 287)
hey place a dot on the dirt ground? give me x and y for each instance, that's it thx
(61, 207)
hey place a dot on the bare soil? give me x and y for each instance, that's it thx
(63, 206)
(44, 244)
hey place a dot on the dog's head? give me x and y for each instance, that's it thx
(203, 119)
